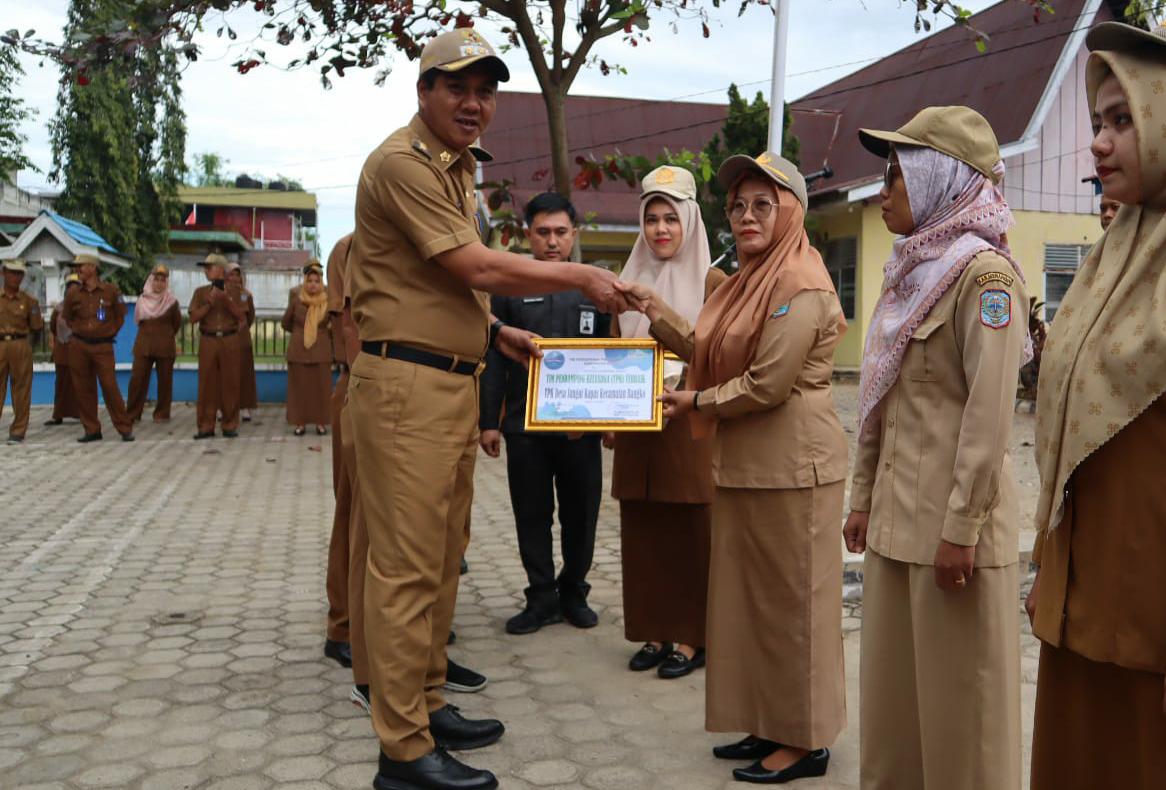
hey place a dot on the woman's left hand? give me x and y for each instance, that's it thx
(677, 403)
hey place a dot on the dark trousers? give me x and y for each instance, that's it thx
(537, 467)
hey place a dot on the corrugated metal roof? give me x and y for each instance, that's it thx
(216, 236)
(248, 198)
(80, 232)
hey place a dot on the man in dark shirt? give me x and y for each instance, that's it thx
(539, 463)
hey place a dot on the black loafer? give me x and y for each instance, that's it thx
(340, 652)
(14, 439)
(748, 748)
(649, 656)
(230, 434)
(128, 436)
(677, 665)
(50, 423)
(464, 679)
(205, 435)
(813, 764)
(437, 770)
(464, 568)
(530, 620)
(579, 614)
(455, 732)
(90, 437)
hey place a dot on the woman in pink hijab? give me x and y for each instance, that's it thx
(158, 318)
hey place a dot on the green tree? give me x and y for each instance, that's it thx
(13, 112)
(208, 170)
(119, 138)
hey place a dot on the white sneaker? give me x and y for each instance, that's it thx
(359, 697)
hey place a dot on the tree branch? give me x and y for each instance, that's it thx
(591, 34)
(558, 20)
(516, 10)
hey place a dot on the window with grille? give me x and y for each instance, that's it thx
(1061, 262)
(841, 260)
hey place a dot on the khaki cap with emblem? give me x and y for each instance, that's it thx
(14, 265)
(960, 132)
(1120, 37)
(313, 265)
(457, 49)
(777, 169)
(672, 181)
(214, 259)
(160, 269)
(85, 258)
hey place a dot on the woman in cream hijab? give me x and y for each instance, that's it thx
(309, 353)
(760, 358)
(1099, 601)
(663, 481)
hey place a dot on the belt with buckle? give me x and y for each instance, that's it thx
(13, 337)
(387, 350)
(93, 341)
(220, 334)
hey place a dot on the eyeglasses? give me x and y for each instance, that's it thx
(889, 173)
(759, 207)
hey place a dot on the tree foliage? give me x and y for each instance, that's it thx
(119, 139)
(13, 112)
(208, 169)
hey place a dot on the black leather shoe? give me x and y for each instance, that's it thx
(579, 614)
(340, 652)
(464, 679)
(437, 770)
(649, 656)
(90, 437)
(128, 436)
(453, 731)
(813, 764)
(452, 637)
(464, 568)
(530, 620)
(14, 439)
(51, 423)
(748, 748)
(205, 435)
(230, 434)
(677, 665)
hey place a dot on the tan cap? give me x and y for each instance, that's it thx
(214, 259)
(672, 181)
(479, 153)
(160, 269)
(85, 258)
(960, 132)
(457, 49)
(72, 279)
(1118, 36)
(14, 265)
(777, 169)
(313, 265)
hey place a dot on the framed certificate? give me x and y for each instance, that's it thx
(581, 384)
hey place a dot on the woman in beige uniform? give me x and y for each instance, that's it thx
(663, 481)
(248, 393)
(1099, 601)
(760, 360)
(159, 318)
(64, 401)
(309, 353)
(933, 500)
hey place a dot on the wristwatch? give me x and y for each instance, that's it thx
(495, 328)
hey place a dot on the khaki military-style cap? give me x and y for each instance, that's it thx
(479, 153)
(214, 259)
(457, 49)
(672, 181)
(85, 258)
(777, 169)
(14, 265)
(313, 265)
(960, 132)
(1120, 37)
(160, 269)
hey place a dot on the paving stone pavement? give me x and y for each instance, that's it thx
(161, 625)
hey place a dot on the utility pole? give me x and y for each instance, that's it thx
(777, 87)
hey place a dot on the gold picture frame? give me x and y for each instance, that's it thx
(536, 419)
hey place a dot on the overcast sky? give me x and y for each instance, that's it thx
(271, 121)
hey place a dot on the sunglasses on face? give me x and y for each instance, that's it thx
(889, 173)
(759, 207)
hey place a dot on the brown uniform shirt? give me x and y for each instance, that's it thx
(415, 199)
(345, 339)
(156, 335)
(293, 321)
(19, 314)
(96, 314)
(220, 318)
(938, 467)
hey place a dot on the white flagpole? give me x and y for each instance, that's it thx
(777, 89)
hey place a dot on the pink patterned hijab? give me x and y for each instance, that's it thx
(958, 214)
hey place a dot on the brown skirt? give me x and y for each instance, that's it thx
(248, 395)
(309, 393)
(775, 665)
(665, 554)
(1097, 725)
(64, 399)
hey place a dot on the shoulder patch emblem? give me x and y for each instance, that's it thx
(421, 148)
(995, 309)
(995, 277)
(779, 312)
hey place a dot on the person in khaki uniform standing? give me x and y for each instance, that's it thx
(309, 352)
(419, 276)
(933, 499)
(218, 311)
(95, 313)
(159, 318)
(19, 318)
(64, 401)
(248, 386)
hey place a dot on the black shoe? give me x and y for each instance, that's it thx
(453, 731)
(748, 748)
(677, 665)
(813, 764)
(579, 614)
(90, 437)
(649, 656)
(437, 770)
(230, 434)
(51, 423)
(128, 436)
(360, 698)
(205, 435)
(452, 637)
(340, 652)
(459, 678)
(465, 567)
(13, 439)
(530, 620)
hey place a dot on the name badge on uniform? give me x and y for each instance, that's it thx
(101, 310)
(995, 309)
(779, 312)
(587, 322)
(533, 300)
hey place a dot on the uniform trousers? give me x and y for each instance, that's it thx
(140, 386)
(357, 555)
(537, 467)
(336, 579)
(218, 382)
(940, 684)
(416, 443)
(91, 364)
(16, 364)
(64, 399)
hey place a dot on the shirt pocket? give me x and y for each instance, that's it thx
(921, 362)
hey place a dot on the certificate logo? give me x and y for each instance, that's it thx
(554, 360)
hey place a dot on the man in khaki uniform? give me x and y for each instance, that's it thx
(19, 318)
(218, 311)
(94, 314)
(419, 281)
(934, 500)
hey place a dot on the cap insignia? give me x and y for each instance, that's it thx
(665, 176)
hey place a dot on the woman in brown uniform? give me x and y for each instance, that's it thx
(663, 481)
(1099, 601)
(159, 318)
(309, 353)
(248, 393)
(760, 360)
(64, 401)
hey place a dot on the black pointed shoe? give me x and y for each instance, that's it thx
(649, 656)
(340, 652)
(463, 679)
(455, 732)
(813, 764)
(530, 620)
(748, 748)
(90, 437)
(677, 665)
(437, 770)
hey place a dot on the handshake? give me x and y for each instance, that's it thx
(612, 295)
